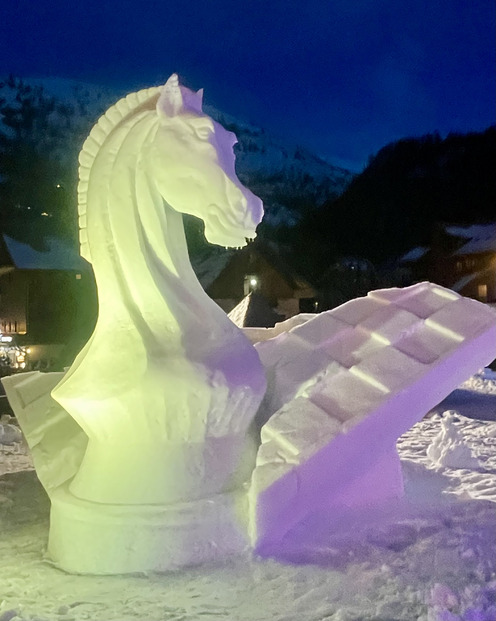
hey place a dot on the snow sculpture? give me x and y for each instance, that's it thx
(167, 386)
(147, 445)
(343, 387)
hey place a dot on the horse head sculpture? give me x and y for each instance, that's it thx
(192, 163)
(166, 374)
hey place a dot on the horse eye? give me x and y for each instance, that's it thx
(203, 133)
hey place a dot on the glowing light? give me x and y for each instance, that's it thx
(253, 282)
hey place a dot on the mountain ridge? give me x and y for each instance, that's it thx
(289, 178)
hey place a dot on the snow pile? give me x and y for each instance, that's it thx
(448, 449)
(9, 433)
(483, 382)
(474, 603)
(14, 454)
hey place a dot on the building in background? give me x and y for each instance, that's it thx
(259, 269)
(462, 258)
(47, 303)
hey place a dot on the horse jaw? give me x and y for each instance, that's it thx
(224, 228)
(194, 167)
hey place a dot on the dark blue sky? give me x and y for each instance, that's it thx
(343, 77)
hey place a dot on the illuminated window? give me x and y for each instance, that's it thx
(482, 292)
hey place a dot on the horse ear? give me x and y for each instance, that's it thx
(192, 101)
(199, 97)
(170, 102)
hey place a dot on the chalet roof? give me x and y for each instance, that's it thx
(479, 238)
(254, 311)
(464, 281)
(59, 255)
(210, 268)
(468, 278)
(271, 252)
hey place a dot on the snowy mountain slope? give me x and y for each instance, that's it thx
(288, 178)
(88, 101)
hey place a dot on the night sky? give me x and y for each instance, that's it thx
(342, 77)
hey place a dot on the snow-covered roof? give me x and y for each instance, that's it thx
(58, 256)
(464, 281)
(414, 254)
(238, 313)
(254, 311)
(480, 238)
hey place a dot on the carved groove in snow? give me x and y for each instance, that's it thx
(344, 386)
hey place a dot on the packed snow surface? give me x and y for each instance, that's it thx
(429, 557)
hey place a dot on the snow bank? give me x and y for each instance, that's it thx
(448, 449)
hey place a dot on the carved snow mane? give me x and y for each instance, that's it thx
(106, 123)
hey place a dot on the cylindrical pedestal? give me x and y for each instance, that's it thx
(92, 538)
(162, 472)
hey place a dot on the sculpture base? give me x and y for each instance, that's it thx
(92, 538)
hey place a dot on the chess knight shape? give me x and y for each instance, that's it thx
(149, 445)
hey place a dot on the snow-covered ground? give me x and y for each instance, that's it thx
(429, 557)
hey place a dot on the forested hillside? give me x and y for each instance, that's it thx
(406, 188)
(39, 138)
(44, 123)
